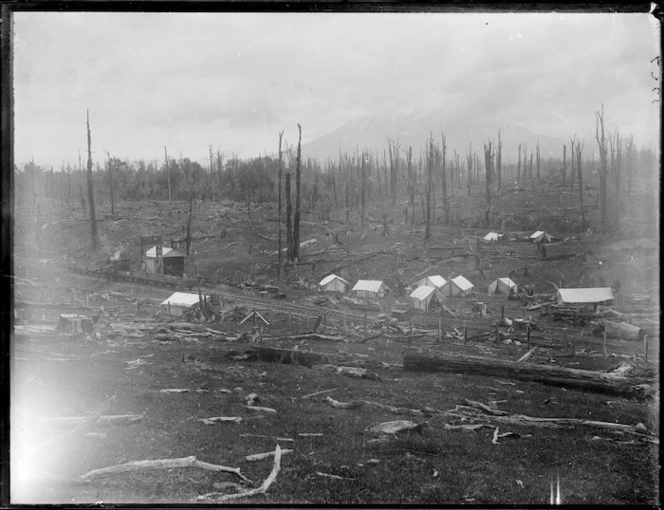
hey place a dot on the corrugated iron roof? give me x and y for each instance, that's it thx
(588, 295)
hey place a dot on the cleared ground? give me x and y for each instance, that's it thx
(343, 463)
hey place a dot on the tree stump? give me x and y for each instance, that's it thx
(73, 323)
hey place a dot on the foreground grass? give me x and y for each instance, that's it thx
(435, 466)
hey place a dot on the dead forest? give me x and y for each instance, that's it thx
(393, 326)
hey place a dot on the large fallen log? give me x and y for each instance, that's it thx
(638, 386)
(623, 330)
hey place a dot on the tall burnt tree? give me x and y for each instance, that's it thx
(499, 164)
(393, 147)
(579, 153)
(298, 183)
(572, 141)
(603, 170)
(444, 178)
(630, 159)
(488, 170)
(565, 163)
(110, 181)
(430, 152)
(168, 173)
(411, 184)
(538, 159)
(279, 205)
(469, 163)
(289, 210)
(91, 194)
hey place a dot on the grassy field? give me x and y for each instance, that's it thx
(343, 462)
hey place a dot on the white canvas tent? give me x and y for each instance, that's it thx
(179, 302)
(492, 236)
(594, 295)
(423, 296)
(458, 286)
(369, 289)
(436, 281)
(542, 237)
(502, 285)
(333, 283)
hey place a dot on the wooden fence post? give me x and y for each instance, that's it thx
(604, 345)
(528, 334)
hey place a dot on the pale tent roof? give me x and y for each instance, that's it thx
(165, 252)
(462, 283)
(492, 236)
(537, 234)
(435, 279)
(508, 282)
(182, 299)
(368, 285)
(331, 278)
(422, 292)
(588, 295)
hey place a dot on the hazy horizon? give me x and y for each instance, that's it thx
(234, 80)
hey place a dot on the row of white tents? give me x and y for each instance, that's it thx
(427, 290)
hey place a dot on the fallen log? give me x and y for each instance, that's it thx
(260, 490)
(149, 465)
(638, 386)
(623, 330)
(313, 336)
(365, 403)
(551, 422)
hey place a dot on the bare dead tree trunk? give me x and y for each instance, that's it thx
(212, 173)
(411, 184)
(444, 178)
(579, 152)
(499, 168)
(168, 173)
(530, 168)
(363, 184)
(298, 179)
(537, 150)
(572, 141)
(564, 163)
(630, 156)
(427, 230)
(110, 181)
(487, 170)
(91, 196)
(603, 171)
(279, 207)
(469, 160)
(618, 185)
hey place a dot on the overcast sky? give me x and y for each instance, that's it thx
(233, 80)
